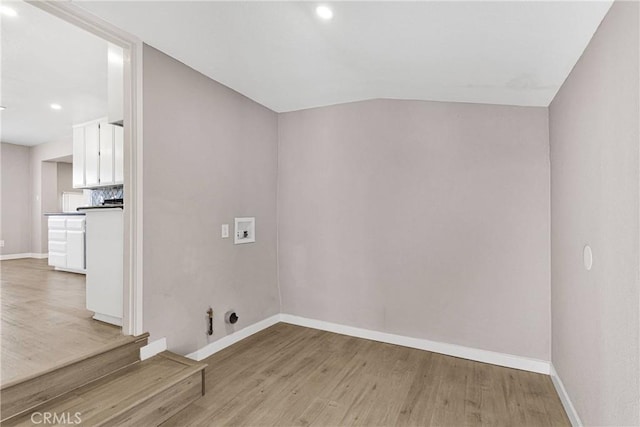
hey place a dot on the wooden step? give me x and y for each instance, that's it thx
(26, 393)
(143, 394)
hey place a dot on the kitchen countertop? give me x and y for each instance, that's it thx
(63, 213)
(88, 208)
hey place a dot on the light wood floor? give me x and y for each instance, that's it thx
(288, 375)
(44, 320)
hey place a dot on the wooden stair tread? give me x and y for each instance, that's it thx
(121, 341)
(115, 394)
(32, 391)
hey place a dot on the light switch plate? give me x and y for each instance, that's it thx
(1, 243)
(225, 231)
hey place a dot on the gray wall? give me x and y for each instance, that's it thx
(424, 219)
(48, 197)
(65, 181)
(210, 154)
(15, 199)
(594, 200)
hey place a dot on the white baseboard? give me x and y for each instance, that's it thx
(233, 338)
(14, 256)
(564, 398)
(485, 356)
(153, 348)
(24, 255)
(108, 319)
(70, 270)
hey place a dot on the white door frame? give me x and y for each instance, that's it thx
(132, 46)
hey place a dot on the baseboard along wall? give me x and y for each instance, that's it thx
(233, 338)
(8, 257)
(485, 356)
(564, 398)
(153, 348)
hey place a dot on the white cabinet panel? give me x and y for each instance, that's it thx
(78, 157)
(106, 154)
(75, 224)
(105, 254)
(60, 247)
(57, 259)
(58, 235)
(75, 249)
(57, 223)
(92, 154)
(118, 151)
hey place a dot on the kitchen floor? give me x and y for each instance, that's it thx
(44, 319)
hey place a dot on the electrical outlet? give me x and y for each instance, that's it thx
(225, 231)
(1, 243)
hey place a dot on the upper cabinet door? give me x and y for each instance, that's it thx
(78, 157)
(106, 154)
(98, 154)
(92, 154)
(118, 150)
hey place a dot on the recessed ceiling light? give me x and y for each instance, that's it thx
(56, 107)
(324, 12)
(7, 11)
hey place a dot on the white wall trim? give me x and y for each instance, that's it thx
(153, 348)
(233, 338)
(485, 356)
(14, 256)
(40, 256)
(70, 270)
(564, 398)
(24, 255)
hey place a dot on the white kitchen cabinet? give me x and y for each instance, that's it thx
(75, 242)
(106, 154)
(79, 180)
(111, 154)
(57, 223)
(118, 155)
(58, 247)
(98, 154)
(92, 154)
(75, 250)
(67, 242)
(57, 242)
(58, 260)
(105, 270)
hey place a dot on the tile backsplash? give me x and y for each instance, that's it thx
(100, 194)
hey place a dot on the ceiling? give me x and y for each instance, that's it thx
(46, 60)
(283, 56)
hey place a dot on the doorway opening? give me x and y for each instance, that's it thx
(44, 297)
